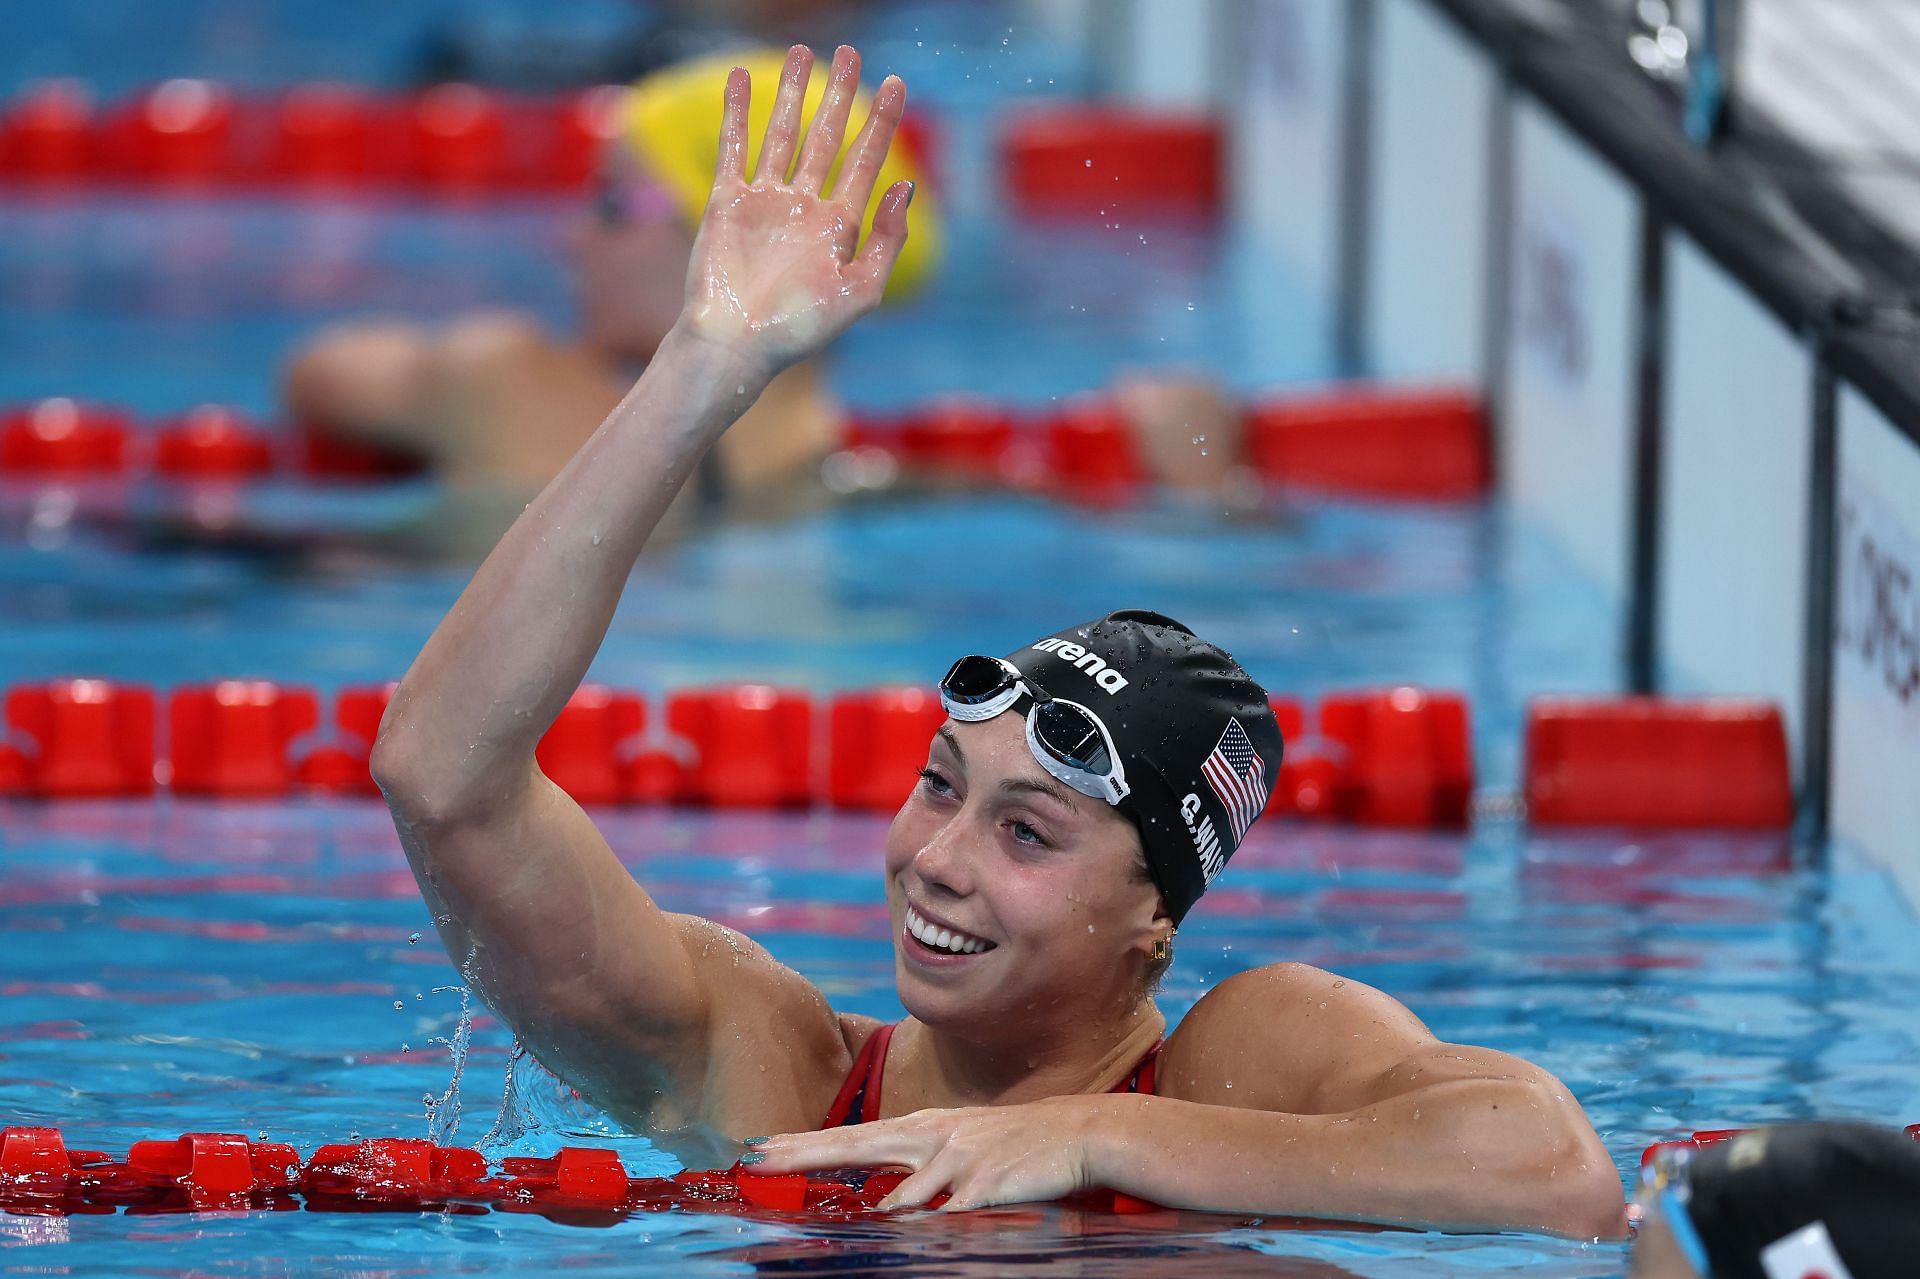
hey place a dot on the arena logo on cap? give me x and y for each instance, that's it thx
(1109, 679)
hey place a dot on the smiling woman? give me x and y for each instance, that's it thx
(1027, 939)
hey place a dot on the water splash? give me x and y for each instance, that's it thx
(513, 1121)
(443, 1111)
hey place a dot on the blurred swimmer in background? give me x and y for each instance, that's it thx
(1799, 1201)
(495, 404)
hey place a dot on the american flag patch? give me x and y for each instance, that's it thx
(1238, 777)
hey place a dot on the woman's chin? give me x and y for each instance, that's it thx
(933, 1003)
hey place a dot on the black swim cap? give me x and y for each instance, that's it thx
(1859, 1184)
(1196, 736)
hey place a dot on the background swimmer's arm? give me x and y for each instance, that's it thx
(370, 382)
(667, 1017)
(479, 397)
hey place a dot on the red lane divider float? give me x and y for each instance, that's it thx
(877, 743)
(1399, 757)
(1090, 455)
(1374, 442)
(199, 1171)
(1355, 441)
(457, 140)
(581, 753)
(1666, 762)
(212, 442)
(63, 437)
(89, 738)
(1392, 757)
(750, 745)
(233, 738)
(50, 133)
(1101, 162)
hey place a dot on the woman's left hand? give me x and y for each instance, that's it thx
(979, 1155)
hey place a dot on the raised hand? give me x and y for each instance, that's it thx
(774, 276)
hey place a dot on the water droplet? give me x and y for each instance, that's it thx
(1190, 306)
(1089, 164)
(413, 940)
(399, 1004)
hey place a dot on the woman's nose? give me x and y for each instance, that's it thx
(945, 861)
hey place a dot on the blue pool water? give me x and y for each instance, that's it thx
(168, 966)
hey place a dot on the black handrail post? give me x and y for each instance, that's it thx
(1356, 190)
(1650, 354)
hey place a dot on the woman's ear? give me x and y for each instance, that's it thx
(1159, 929)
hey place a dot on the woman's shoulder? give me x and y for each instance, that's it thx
(1273, 1037)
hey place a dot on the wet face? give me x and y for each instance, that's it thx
(1035, 887)
(629, 251)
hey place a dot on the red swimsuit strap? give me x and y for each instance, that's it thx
(859, 1097)
(860, 1094)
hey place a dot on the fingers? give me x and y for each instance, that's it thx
(922, 1186)
(889, 236)
(829, 122)
(776, 151)
(733, 128)
(869, 150)
(862, 1146)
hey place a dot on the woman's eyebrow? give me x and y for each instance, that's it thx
(1050, 789)
(1026, 785)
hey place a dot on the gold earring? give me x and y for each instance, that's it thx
(1163, 949)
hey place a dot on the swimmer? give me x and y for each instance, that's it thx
(1079, 799)
(1835, 1200)
(495, 404)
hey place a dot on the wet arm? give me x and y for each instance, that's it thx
(1495, 1146)
(460, 732)
(632, 1005)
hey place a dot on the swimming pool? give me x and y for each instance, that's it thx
(170, 965)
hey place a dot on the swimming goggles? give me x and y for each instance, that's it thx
(1067, 739)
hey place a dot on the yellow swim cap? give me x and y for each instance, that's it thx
(671, 120)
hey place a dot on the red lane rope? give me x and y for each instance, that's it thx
(201, 1171)
(1395, 757)
(1362, 440)
(1398, 757)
